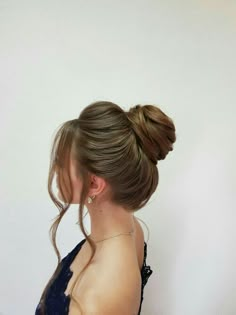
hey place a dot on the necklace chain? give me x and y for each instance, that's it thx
(129, 233)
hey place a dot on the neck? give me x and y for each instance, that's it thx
(108, 220)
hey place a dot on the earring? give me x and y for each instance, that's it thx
(90, 199)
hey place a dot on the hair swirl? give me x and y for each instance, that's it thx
(154, 130)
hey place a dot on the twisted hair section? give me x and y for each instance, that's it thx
(155, 131)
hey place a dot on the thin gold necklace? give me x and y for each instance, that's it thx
(129, 233)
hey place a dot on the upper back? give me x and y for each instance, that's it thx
(117, 267)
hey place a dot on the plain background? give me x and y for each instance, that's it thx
(59, 56)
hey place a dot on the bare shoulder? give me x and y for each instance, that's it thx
(115, 282)
(115, 295)
(112, 285)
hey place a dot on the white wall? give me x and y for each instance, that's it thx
(59, 56)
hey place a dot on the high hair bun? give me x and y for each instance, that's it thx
(154, 130)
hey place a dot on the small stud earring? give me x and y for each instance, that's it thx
(90, 199)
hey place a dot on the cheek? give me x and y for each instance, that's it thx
(76, 184)
(62, 187)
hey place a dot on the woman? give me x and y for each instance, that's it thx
(106, 160)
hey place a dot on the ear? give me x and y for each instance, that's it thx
(97, 185)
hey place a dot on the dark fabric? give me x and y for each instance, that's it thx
(57, 303)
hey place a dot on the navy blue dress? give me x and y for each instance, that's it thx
(57, 303)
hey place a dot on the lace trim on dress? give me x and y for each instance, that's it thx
(145, 273)
(146, 270)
